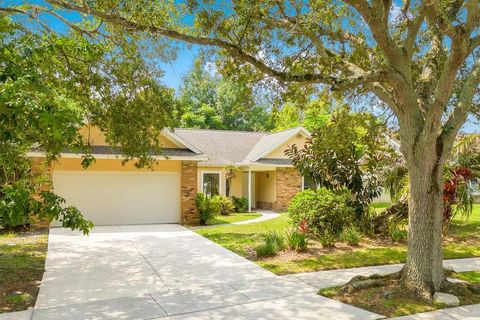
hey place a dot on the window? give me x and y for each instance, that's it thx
(308, 183)
(211, 183)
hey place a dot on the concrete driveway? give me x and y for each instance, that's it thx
(167, 271)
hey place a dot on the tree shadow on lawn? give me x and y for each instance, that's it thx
(22, 262)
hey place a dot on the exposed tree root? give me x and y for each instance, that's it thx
(362, 282)
(376, 280)
(453, 287)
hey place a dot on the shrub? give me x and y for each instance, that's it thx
(351, 235)
(396, 230)
(266, 250)
(225, 205)
(325, 212)
(273, 242)
(275, 239)
(241, 204)
(398, 235)
(297, 240)
(207, 207)
(15, 205)
(327, 239)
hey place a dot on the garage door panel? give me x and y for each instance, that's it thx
(110, 198)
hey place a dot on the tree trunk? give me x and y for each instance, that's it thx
(423, 272)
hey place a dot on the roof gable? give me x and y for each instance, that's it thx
(273, 141)
(234, 147)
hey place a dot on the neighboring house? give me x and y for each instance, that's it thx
(193, 161)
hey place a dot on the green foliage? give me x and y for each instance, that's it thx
(216, 102)
(272, 243)
(241, 204)
(224, 204)
(314, 115)
(297, 240)
(345, 153)
(266, 250)
(326, 212)
(207, 207)
(275, 238)
(52, 207)
(15, 204)
(351, 236)
(397, 232)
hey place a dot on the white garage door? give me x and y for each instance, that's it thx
(111, 198)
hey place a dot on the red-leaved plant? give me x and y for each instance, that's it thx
(303, 227)
(459, 179)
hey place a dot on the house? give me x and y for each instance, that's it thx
(193, 160)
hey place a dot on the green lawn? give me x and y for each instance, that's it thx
(464, 228)
(234, 217)
(470, 276)
(462, 243)
(22, 260)
(379, 207)
(238, 238)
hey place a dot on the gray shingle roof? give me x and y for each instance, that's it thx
(221, 146)
(232, 147)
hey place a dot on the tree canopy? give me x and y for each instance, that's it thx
(212, 101)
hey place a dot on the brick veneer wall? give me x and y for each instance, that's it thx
(265, 205)
(189, 213)
(288, 184)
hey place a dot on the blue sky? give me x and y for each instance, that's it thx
(175, 71)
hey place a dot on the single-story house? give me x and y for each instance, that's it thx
(193, 160)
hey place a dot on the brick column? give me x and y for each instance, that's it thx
(288, 184)
(189, 213)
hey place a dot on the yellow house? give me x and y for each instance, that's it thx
(192, 161)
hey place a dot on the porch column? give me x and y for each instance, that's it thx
(249, 189)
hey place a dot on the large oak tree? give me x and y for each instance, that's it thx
(418, 57)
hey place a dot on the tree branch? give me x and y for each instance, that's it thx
(435, 15)
(413, 29)
(233, 49)
(464, 105)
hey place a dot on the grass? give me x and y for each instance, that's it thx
(391, 301)
(470, 276)
(464, 228)
(234, 217)
(242, 239)
(22, 260)
(379, 207)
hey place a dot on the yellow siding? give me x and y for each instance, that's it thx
(265, 186)
(72, 164)
(237, 185)
(97, 138)
(280, 151)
